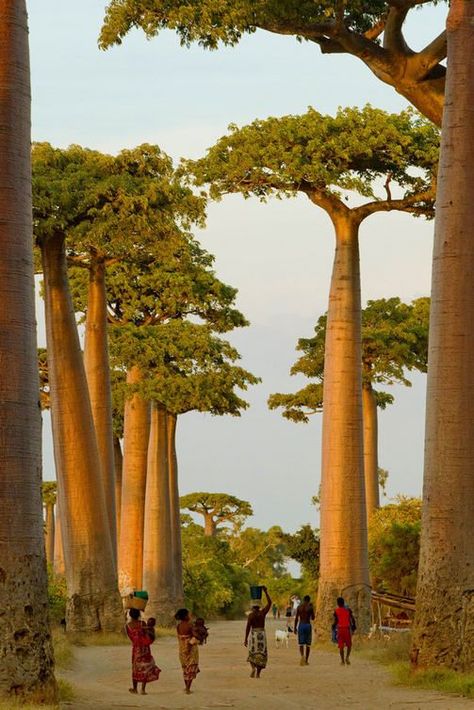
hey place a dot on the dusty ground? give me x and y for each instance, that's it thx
(101, 679)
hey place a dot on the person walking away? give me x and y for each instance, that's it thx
(188, 648)
(345, 625)
(288, 615)
(144, 668)
(274, 610)
(304, 617)
(257, 643)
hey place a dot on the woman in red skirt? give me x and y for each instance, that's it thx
(144, 668)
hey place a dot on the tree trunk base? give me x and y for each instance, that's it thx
(163, 610)
(440, 637)
(26, 649)
(356, 596)
(101, 611)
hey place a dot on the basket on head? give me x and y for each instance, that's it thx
(133, 602)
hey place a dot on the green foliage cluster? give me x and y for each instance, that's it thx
(394, 546)
(219, 570)
(220, 507)
(394, 340)
(329, 155)
(57, 596)
(211, 22)
(303, 546)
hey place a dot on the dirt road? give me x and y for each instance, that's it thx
(101, 677)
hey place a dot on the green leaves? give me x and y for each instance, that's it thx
(350, 152)
(210, 22)
(394, 339)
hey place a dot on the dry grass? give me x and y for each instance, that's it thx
(63, 650)
(66, 694)
(440, 679)
(390, 650)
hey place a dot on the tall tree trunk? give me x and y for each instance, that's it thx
(157, 556)
(175, 511)
(96, 363)
(26, 666)
(59, 566)
(118, 463)
(93, 599)
(344, 567)
(50, 533)
(136, 428)
(444, 622)
(210, 528)
(371, 459)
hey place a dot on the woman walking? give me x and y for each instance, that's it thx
(144, 668)
(257, 645)
(188, 648)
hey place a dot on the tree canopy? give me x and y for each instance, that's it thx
(394, 340)
(371, 31)
(365, 151)
(217, 508)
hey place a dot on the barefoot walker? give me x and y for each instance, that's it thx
(345, 625)
(188, 648)
(257, 644)
(144, 668)
(304, 617)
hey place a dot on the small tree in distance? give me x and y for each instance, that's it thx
(217, 509)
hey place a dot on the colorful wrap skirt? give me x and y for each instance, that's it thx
(258, 651)
(188, 657)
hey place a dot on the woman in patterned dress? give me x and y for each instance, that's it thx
(188, 648)
(257, 644)
(144, 668)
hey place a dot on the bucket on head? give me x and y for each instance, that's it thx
(256, 593)
(133, 602)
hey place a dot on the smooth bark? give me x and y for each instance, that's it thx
(371, 463)
(444, 622)
(175, 511)
(135, 451)
(93, 599)
(49, 533)
(344, 569)
(26, 667)
(118, 463)
(157, 550)
(210, 527)
(96, 363)
(59, 566)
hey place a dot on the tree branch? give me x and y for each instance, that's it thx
(432, 54)
(406, 204)
(393, 39)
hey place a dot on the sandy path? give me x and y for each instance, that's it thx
(101, 678)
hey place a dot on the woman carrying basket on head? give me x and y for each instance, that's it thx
(144, 668)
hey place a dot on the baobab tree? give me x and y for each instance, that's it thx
(325, 158)
(444, 622)
(372, 32)
(25, 642)
(185, 367)
(394, 340)
(217, 509)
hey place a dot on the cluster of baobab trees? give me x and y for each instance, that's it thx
(443, 92)
(444, 626)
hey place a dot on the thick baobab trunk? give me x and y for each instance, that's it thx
(175, 511)
(444, 622)
(118, 463)
(371, 462)
(93, 599)
(344, 567)
(96, 363)
(26, 667)
(58, 565)
(136, 427)
(210, 528)
(157, 554)
(49, 533)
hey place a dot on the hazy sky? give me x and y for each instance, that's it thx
(278, 255)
